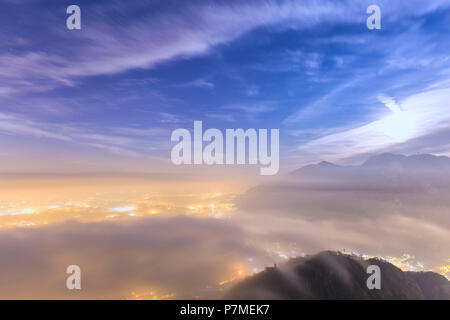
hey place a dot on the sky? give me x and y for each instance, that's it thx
(108, 96)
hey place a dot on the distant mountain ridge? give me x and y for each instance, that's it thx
(334, 275)
(382, 185)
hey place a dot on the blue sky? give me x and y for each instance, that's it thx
(113, 91)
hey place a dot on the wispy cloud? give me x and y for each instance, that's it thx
(252, 91)
(109, 48)
(417, 115)
(120, 67)
(319, 106)
(390, 103)
(13, 125)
